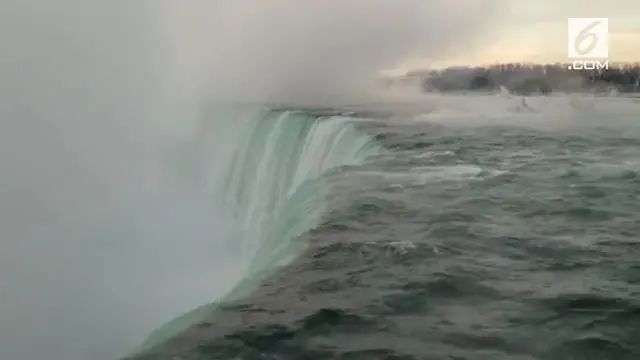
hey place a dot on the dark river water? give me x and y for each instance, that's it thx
(478, 232)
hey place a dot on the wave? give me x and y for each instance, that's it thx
(266, 168)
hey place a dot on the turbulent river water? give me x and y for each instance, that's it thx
(461, 227)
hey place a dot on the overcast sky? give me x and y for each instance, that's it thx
(283, 46)
(536, 31)
(273, 39)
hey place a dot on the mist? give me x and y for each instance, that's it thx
(100, 241)
(286, 49)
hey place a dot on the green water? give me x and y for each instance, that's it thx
(272, 184)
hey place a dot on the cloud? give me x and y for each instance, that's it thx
(629, 31)
(97, 244)
(288, 47)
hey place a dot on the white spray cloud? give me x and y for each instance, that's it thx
(287, 48)
(97, 244)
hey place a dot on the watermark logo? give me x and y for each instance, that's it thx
(588, 40)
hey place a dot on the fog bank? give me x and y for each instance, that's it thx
(99, 240)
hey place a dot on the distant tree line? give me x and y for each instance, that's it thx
(528, 79)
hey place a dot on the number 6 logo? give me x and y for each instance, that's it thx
(588, 38)
(584, 35)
